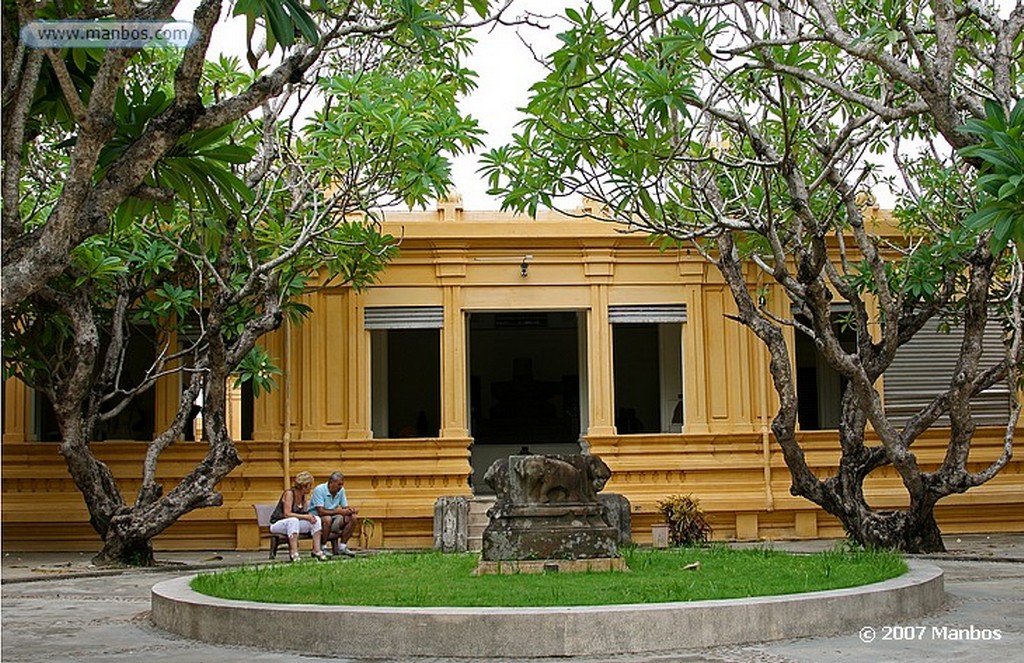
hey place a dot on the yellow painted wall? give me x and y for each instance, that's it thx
(393, 482)
(472, 262)
(727, 474)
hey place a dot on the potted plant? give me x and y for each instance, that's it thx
(686, 522)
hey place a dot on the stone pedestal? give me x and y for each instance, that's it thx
(547, 509)
(569, 532)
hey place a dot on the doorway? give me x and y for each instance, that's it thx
(524, 385)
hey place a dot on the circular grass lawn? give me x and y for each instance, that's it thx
(655, 576)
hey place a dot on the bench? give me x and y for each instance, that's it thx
(263, 513)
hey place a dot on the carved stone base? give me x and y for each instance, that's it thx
(599, 565)
(563, 532)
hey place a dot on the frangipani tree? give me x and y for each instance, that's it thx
(70, 104)
(222, 229)
(753, 132)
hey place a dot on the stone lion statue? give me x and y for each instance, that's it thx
(548, 480)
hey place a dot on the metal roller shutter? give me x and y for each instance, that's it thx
(924, 366)
(404, 317)
(647, 314)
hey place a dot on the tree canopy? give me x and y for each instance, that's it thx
(757, 132)
(85, 143)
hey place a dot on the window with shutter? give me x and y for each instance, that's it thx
(647, 367)
(923, 368)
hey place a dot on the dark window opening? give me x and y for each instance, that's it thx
(248, 408)
(524, 385)
(189, 434)
(44, 422)
(406, 382)
(819, 387)
(647, 366)
(135, 422)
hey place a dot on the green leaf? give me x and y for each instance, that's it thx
(283, 19)
(480, 6)
(80, 58)
(305, 23)
(984, 217)
(279, 22)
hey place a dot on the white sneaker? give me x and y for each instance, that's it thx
(296, 557)
(343, 551)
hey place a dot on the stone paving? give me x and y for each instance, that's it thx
(55, 608)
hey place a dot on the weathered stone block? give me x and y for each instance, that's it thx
(617, 513)
(451, 524)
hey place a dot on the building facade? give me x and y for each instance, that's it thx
(492, 334)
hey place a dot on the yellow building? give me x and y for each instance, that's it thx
(490, 333)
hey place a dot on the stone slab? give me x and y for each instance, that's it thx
(618, 514)
(451, 524)
(529, 538)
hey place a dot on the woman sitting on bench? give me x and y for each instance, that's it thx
(291, 517)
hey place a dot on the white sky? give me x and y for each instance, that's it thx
(506, 70)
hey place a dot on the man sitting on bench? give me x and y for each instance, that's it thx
(336, 516)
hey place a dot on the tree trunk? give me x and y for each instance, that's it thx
(127, 530)
(92, 477)
(128, 540)
(911, 531)
(109, 515)
(124, 549)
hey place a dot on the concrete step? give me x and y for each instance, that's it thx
(478, 507)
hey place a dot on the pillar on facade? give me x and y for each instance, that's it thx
(268, 409)
(454, 409)
(695, 390)
(601, 395)
(358, 371)
(16, 409)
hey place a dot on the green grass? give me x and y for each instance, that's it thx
(655, 576)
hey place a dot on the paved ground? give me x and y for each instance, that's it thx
(56, 608)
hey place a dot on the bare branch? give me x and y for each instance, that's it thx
(67, 87)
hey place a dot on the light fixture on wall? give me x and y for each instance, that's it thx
(524, 262)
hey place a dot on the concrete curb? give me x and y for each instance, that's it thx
(532, 632)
